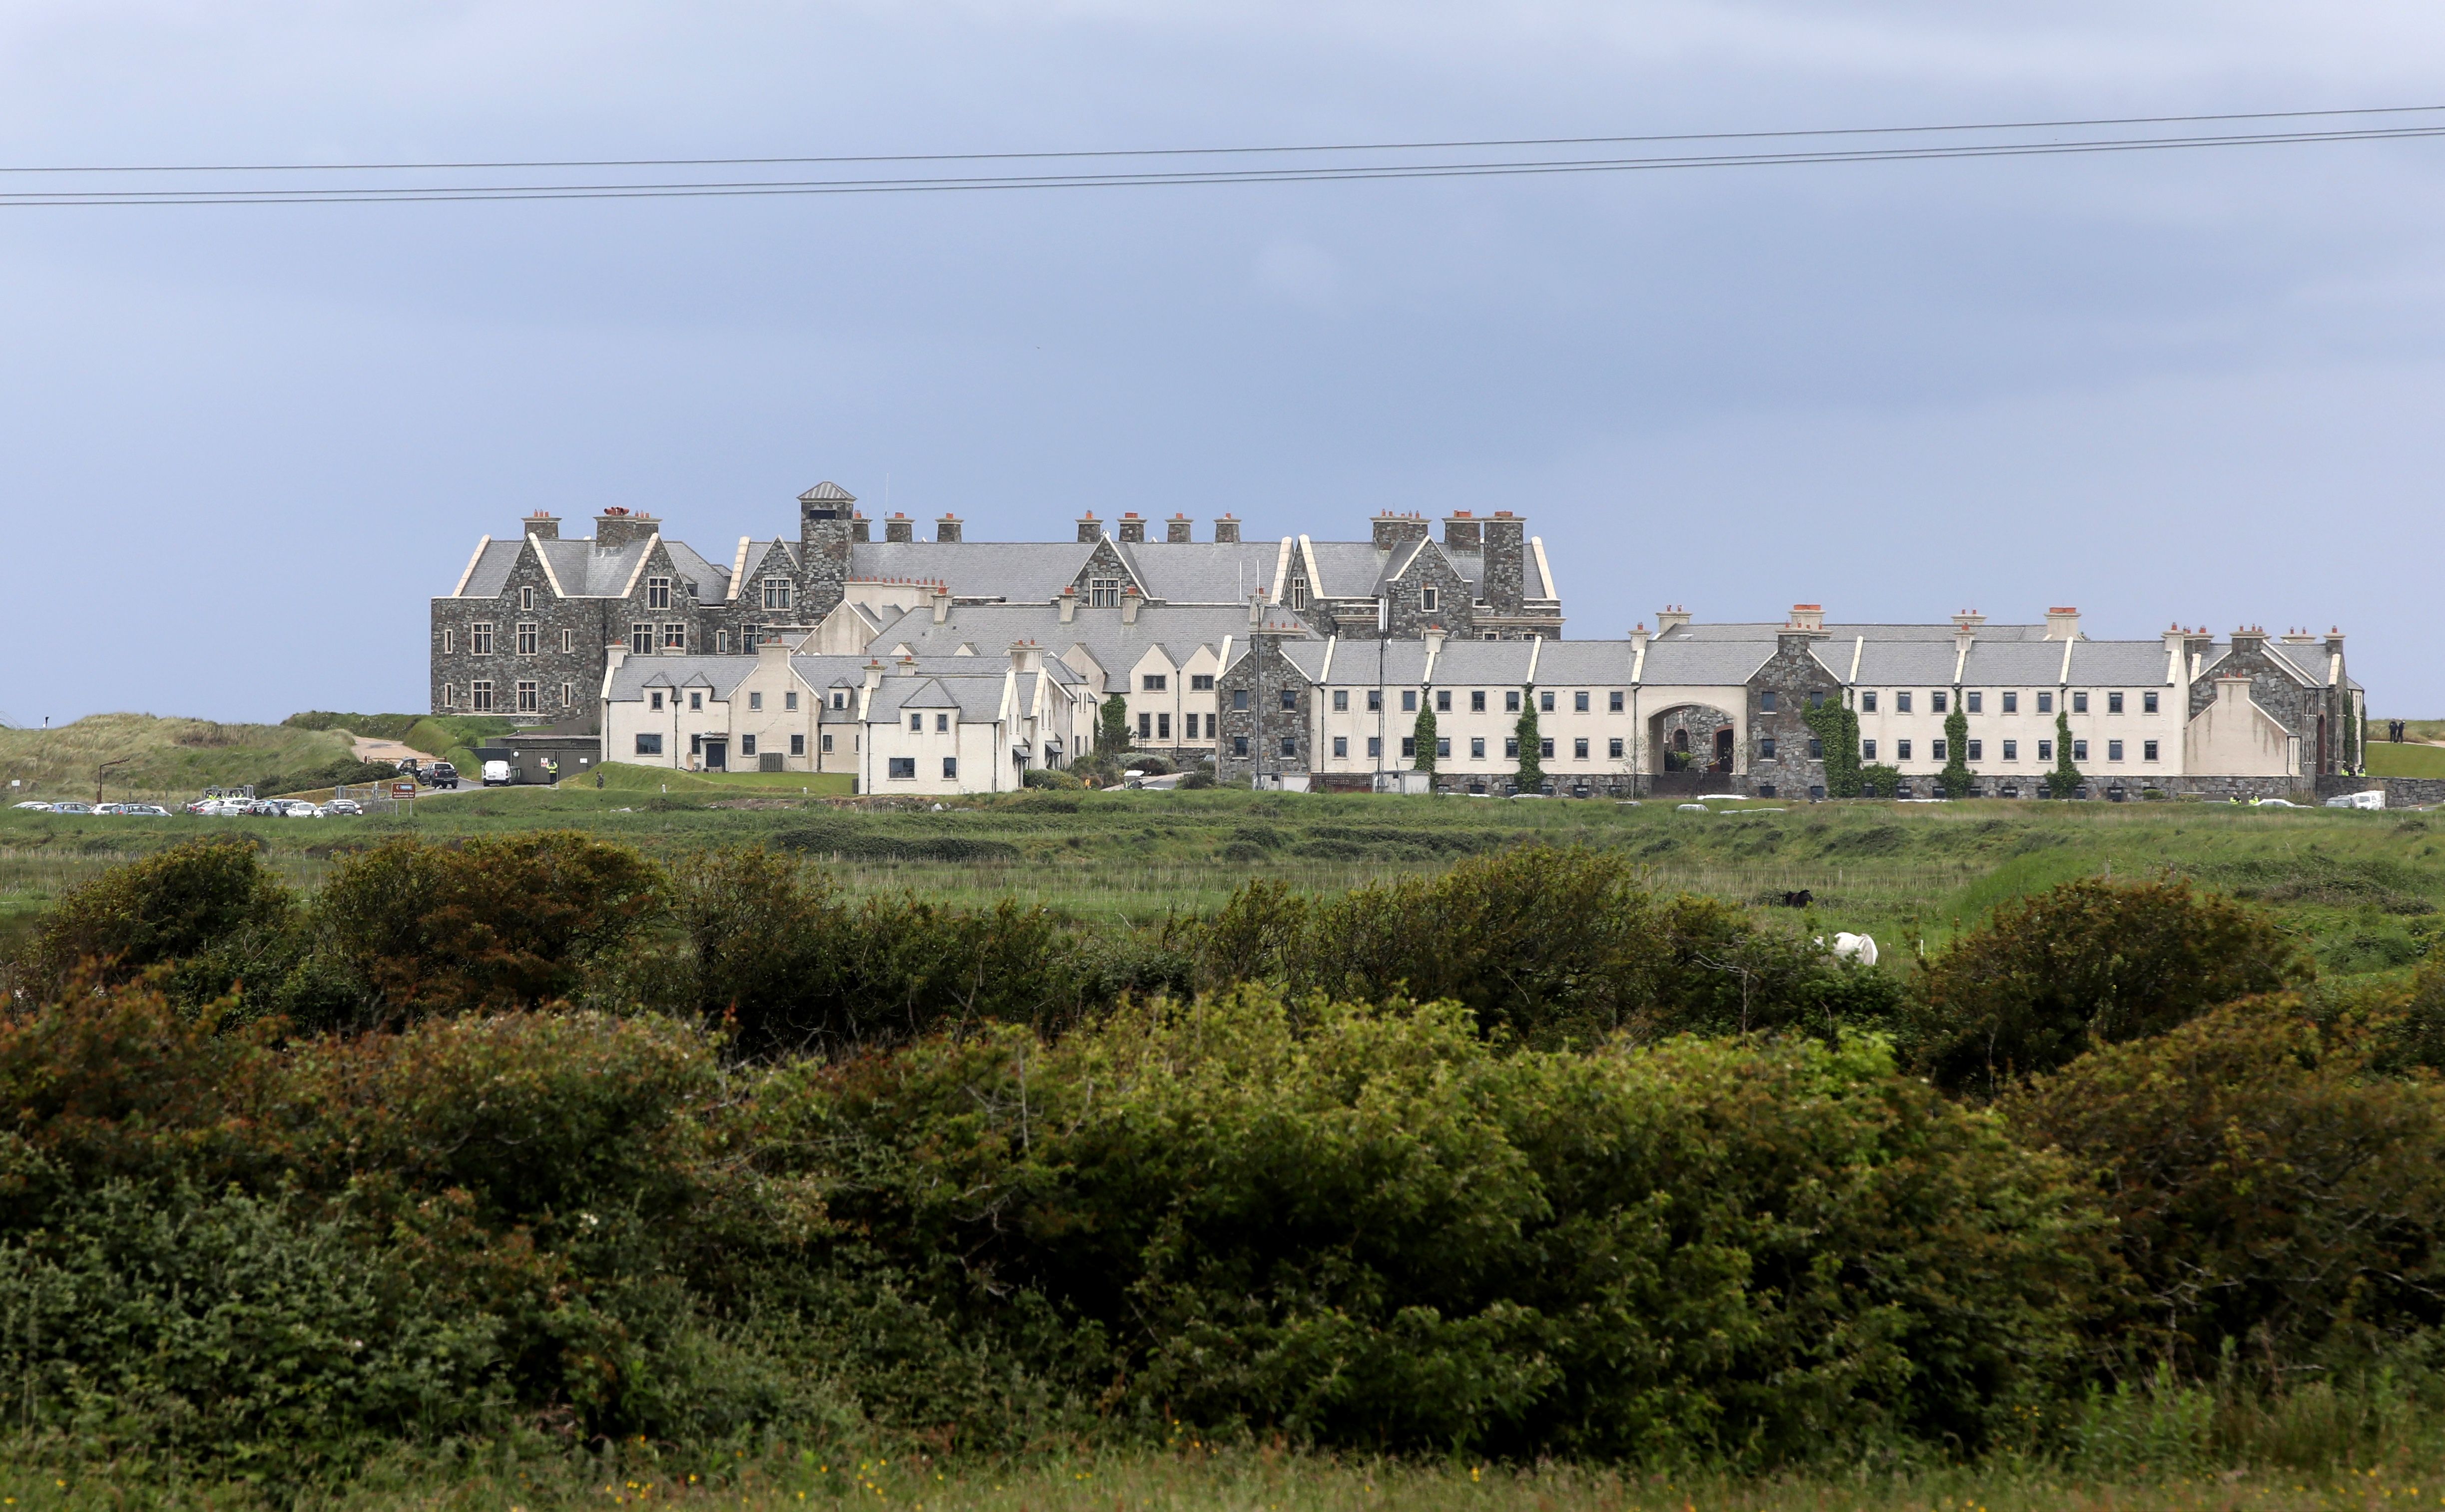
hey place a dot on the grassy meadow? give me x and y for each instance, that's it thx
(2362, 888)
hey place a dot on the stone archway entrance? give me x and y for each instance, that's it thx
(1691, 748)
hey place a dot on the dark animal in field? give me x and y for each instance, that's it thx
(1798, 900)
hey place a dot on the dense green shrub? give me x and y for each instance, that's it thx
(1552, 944)
(1372, 1230)
(2085, 964)
(210, 909)
(2269, 1194)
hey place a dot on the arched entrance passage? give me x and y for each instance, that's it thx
(1688, 743)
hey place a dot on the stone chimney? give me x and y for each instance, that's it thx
(1462, 532)
(1068, 602)
(1670, 618)
(900, 528)
(1807, 617)
(1131, 600)
(860, 529)
(825, 531)
(615, 527)
(2062, 624)
(2197, 645)
(946, 530)
(2335, 639)
(1132, 530)
(1226, 531)
(542, 525)
(1392, 529)
(1504, 582)
(1088, 529)
(2249, 638)
(1175, 530)
(1026, 656)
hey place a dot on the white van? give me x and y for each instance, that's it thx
(497, 774)
(2372, 798)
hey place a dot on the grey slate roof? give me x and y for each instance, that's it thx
(1020, 572)
(1115, 647)
(721, 674)
(1702, 664)
(828, 492)
(977, 699)
(1916, 663)
(2119, 664)
(1486, 663)
(586, 571)
(1746, 630)
(712, 583)
(1588, 664)
(1202, 571)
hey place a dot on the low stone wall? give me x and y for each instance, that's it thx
(2401, 792)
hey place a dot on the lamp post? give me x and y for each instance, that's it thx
(98, 773)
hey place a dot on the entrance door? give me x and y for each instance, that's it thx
(717, 755)
(1723, 749)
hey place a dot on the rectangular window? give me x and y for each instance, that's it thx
(2114, 750)
(641, 640)
(1868, 701)
(480, 695)
(1901, 703)
(1374, 745)
(1442, 747)
(1341, 745)
(826, 743)
(2012, 703)
(2147, 749)
(526, 600)
(1408, 700)
(1341, 700)
(1976, 703)
(746, 745)
(1977, 749)
(449, 642)
(1816, 749)
(656, 700)
(950, 769)
(1374, 700)
(1544, 704)
(2045, 750)
(1901, 749)
(1580, 749)
(1209, 726)
(776, 593)
(1766, 748)
(658, 593)
(797, 745)
(1867, 749)
(1613, 703)
(2045, 703)
(1239, 745)
(1511, 702)
(695, 698)
(1935, 749)
(1290, 745)
(480, 638)
(941, 724)
(1767, 700)
(916, 725)
(1104, 593)
(1477, 701)
(569, 695)
(2011, 750)
(1290, 700)
(1613, 748)
(1163, 726)
(675, 637)
(568, 641)
(1511, 745)
(1443, 701)
(1579, 702)
(1429, 598)
(2113, 703)
(1477, 746)
(1238, 699)
(840, 698)
(1935, 702)
(755, 702)
(2147, 704)
(2079, 749)
(1200, 683)
(650, 745)
(721, 643)
(1408, 746)
(1298, 593)
(1155, 682)
(1145, 726)
(1546, 749)
(2080, 703)
(904, 768)
(450, 695)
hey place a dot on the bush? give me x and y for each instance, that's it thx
(1377, 1232)
(488, 924)
(1050, 777)
(2267, 1192)
(2085, 964)
(212, 903)
(1555, 946)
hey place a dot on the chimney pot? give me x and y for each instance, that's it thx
(1176, 529)
(1226, 531)
(1133, 529)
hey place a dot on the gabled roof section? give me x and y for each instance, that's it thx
(490, 571)
(1014, 571)
(828, 492)
(720, 674)
(1701, 663)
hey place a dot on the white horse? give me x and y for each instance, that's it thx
(1861, 949)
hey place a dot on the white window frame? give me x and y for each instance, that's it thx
(658, 593)
(526, 598)
(674, 640)
(776, 593)
(479, 638)
(449, 642)
(479, 694)
(1429, 598)
(530, 638)
(530, 695)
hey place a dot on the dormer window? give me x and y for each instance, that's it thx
(654, 701)
(1298, 593)
(776, 593)
(696, 702)
(1103, 592)
(840, 698)
(658, 593)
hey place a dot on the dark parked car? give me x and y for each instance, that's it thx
(440, 775)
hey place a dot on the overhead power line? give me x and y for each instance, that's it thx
(1353, 162)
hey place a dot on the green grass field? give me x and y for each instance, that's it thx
(2387, 759)
(2364, 888)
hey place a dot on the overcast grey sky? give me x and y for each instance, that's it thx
(244, 446)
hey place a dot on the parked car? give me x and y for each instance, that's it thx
(497, 774)
(297, 809)
(110, 808)
(37, 805)
(71, 807)
(148, 811)
(339, 807)
(440, 775)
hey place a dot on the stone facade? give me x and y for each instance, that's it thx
(1268, 714)
(1784, 760)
